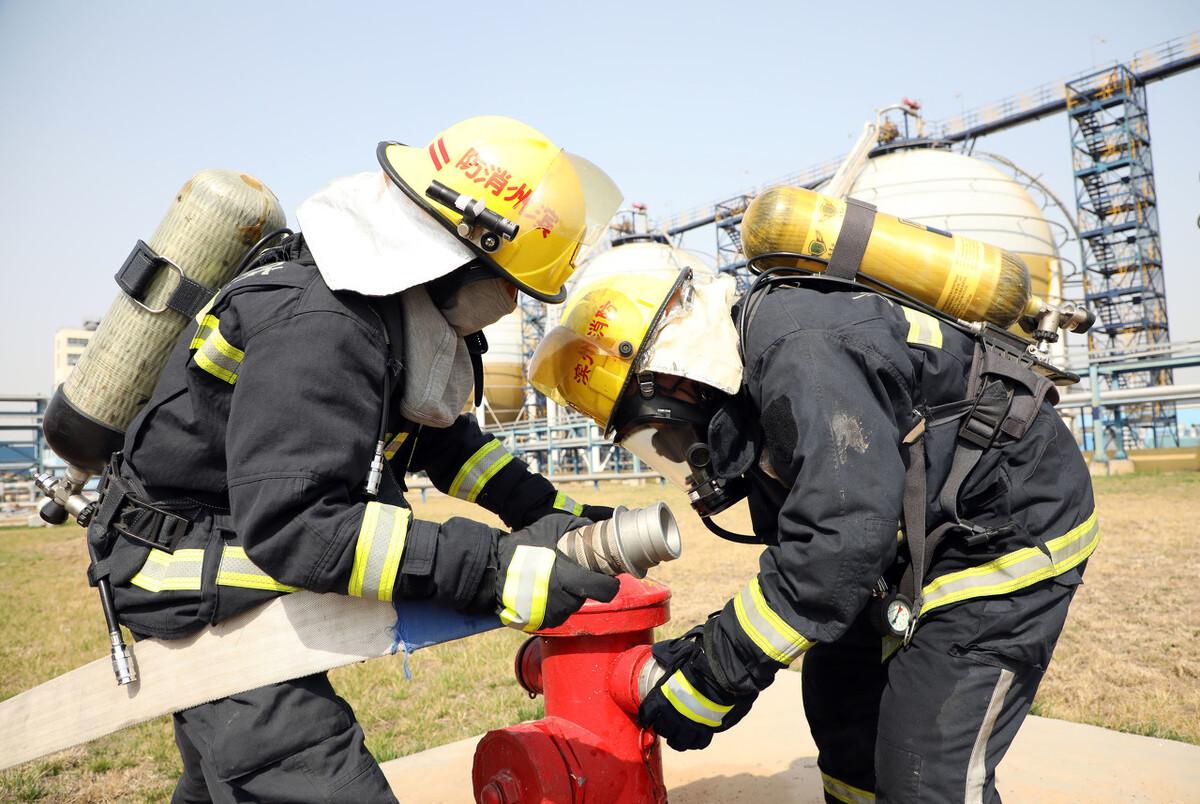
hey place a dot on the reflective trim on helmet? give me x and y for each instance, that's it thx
(691, 703)
(378, 550)
(766, 629)
(527, 587)
(479, 469)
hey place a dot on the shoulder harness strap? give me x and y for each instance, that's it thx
(1004, 397)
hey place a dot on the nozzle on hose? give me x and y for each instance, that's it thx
(632, 541)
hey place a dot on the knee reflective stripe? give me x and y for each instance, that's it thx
(1016, 570)
(479, 469)
(378, 550)
(237, 569)
(691, 703)
(773, 636)
(923, 328)
(214, 354)
(977, 766)
(180, 571)
(183, 571)
(564, 503)
(845, 792)
(526, 587)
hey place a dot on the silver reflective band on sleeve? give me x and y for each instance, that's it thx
(773, 636)
(527, 587)
(841, 791)
(214, 354)
(691, 703)
(378, 551)
(1015, 570)
(564, 503)
(923, 328)
(479, 469)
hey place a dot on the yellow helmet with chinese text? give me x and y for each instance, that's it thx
(648, 356)
(521, 203)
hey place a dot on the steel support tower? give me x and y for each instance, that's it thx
(1119, 239)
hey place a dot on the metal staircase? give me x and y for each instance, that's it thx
(1119, 238)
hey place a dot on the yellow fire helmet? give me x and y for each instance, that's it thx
(586, 361)
(522, 204)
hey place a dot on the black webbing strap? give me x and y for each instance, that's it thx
(852, 240)
(138, 272)
(477, 347)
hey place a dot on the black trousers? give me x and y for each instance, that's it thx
(932, 722)
(294, 742)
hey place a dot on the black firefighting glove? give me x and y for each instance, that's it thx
(539, 587)
(596, 513)
(688, 706)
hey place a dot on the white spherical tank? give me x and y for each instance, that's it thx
(503, 369)
(639, 256)
(968, 196)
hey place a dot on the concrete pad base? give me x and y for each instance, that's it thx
(770, 756)
(1112, 466)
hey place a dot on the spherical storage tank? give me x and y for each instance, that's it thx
(503, 369)
(968, 196)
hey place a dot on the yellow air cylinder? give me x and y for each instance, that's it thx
(965, 278)
(211, 223)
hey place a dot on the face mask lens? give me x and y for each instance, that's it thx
(664, 449)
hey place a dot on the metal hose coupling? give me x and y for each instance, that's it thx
(632, 541)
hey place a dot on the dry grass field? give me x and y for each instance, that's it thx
(1130, 657)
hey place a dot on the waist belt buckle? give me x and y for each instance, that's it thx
(161, 529)
(979, 536)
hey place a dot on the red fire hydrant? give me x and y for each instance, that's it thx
(589, 748)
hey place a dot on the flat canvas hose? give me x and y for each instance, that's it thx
(291, 636)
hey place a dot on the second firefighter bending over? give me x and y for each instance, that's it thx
(816, 414)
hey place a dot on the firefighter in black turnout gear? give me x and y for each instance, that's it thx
(891, 461)
(271, 457)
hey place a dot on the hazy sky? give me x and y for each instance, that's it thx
(107, 108)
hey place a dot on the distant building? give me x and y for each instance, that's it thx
(68, 348)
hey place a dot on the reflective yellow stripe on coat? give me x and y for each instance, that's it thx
(213, 353)
(479, 469)
(766, 629)
(1015, 570)
(691, 703)
(564, 503)
(183, 571)
(527, 587)
(378, 551)
(849, 794)
(923, 328)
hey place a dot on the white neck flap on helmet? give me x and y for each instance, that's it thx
(370, 238)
